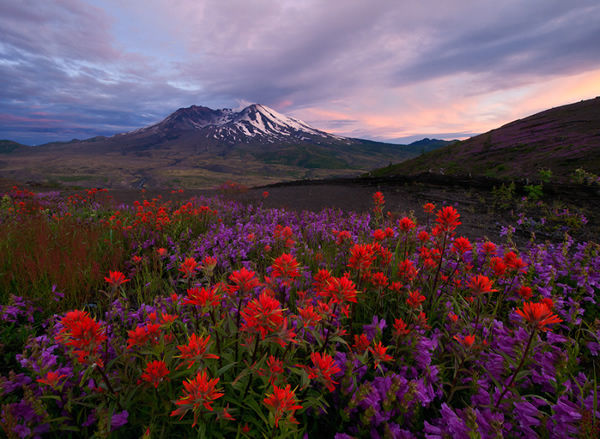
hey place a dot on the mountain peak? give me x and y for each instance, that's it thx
(256, 123)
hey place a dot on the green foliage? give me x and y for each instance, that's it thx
(546, 175)
(534, 191)
(504, 196)
(581, 176)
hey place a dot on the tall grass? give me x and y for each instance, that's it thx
(40, 257)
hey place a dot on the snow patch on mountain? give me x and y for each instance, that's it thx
(253, 122)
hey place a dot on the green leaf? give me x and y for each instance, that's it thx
(225, 368)
(251, 402)
(522, 374)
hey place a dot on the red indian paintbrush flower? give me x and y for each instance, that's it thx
(415, 299)
(516, 265)
(361, 257)
(155, 373)
(274, 369)
(406, 224)
(428, 207)
(447, 219)
(379, 202)
(406, 270)
(115, 279)
(361, 343)
(400, 328)
(264, 315)
(538, 315)
(188, 267)
(379, 280)
(83, 333)
(199, 391)
(52, 379)
(498, 266)
(142, 334)
(340, 290)
(525, 292)
(280, 401)
(489, 248)
(379, 235)
(379, 354)
(243, 281)
(137, 337)
(323, 367)
(308, 316)
(202, 297)
(467, 341)
(321, 279)
(285, 266)
(480, 284)
(461, 245)
(195, 350)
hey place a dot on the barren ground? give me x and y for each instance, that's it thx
(481, 217)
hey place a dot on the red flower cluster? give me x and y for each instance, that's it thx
(199, 391)
(407, 271)
(142, 334)
(480, 284)
(52, 379)
(195, 350)
(379, 202)
(447, 219)
(538, 315)
(466, 341)
(340, 290)
(323, 367)
(400, 328)
(406, 224)
(285, 266)
(280, 401)
(264, 315)
(428, 207)
(115, 279)
(188, 268)
(202, 297)
(379, 354)
(415, 299)
(361, 257)
(243, 281)
(155, 372)
(84, 334)
(461, 246)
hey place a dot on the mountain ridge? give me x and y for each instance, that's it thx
(199, 147)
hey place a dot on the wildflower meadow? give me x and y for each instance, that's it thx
(216, 319)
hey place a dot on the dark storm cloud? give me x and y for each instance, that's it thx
(84, 66)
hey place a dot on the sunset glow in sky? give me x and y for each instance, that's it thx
(385, 70)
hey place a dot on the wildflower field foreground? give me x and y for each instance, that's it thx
(207, 318)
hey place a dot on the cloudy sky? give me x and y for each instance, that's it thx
(387, 70)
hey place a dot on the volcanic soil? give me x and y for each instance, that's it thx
(483, 214)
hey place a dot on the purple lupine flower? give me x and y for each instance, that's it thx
(15, 381)
(376, 327)
(566, 415)
(118, 420)
(527, 416)
(395, 432)
(22, 430)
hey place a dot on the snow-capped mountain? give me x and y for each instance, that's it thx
(254, 124)
(198, 146)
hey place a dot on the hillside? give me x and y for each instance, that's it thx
(561, 139)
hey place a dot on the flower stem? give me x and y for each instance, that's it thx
(517, 370)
